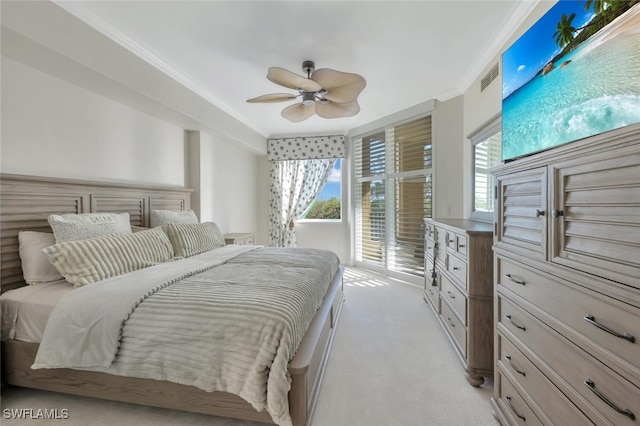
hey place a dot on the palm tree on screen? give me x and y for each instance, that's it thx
(598, 5)
(565, 30)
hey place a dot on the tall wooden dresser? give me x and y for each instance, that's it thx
(567, 280)
(459, 262)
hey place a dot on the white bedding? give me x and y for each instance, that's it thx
(226, 320)
(25, 310)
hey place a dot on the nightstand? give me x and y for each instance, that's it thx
(239, 238)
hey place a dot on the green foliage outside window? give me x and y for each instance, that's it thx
(323, 209)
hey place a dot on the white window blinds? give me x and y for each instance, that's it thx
(487, 155)
(393, 195)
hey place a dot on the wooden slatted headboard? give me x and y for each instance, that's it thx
(27, 201)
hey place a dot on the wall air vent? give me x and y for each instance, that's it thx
(487, 79)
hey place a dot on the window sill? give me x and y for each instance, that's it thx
(306, 221)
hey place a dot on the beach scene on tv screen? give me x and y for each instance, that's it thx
(573, 74)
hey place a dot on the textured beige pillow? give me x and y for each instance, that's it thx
(36, 268)
(162, 217)
(71, 227)
(188, 239)
(84, 262)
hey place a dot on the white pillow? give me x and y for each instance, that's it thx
(90, 260)
(71, 227)
(36, 268)
(162, 217)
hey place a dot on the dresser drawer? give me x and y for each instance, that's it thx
(457, 243)
(586, 375)
(430, 231)
(455, 298)
(455, 327)
(461, 245)
(580, 309)
(239, 238)
(429, 249)
(432, 295)
(513, 404)
(558, 408)
(458, 269)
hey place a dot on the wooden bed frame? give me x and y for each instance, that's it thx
(25, 204)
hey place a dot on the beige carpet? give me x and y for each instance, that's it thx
(391, 365)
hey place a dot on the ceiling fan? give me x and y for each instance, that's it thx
(326, 92)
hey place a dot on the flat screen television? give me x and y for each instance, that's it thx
(575, 73)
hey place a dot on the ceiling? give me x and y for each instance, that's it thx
(409, 52)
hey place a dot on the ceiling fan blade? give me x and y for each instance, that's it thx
(292, 81)
(337, 110)
(298, 112)
(342, 87)
(273, 97)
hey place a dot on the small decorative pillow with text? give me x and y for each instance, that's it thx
(71, 227)
(36, 268)
(162, 217)
(189, 239)
(88, 261)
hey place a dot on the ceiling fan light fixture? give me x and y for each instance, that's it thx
(308, 98)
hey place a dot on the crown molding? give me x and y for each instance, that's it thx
(136, 48)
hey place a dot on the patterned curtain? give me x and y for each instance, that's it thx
(294, 185)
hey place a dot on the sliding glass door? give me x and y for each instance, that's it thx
(393, 196)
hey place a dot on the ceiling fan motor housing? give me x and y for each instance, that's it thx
(308, 98)
(309, 67)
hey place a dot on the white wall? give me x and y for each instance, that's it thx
(448, 168)
(228, 184)
(53, 128)
(263, 183)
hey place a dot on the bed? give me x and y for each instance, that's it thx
(27, 202)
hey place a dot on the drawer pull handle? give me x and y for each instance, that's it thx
(592, 320)
(539, 212)
(515, 280)
(521, 327)
(460, 245)
(452, 241)
(510, 362)
(455, 268)
(451, 295)
(508, 398)
(592, 386)
(451, 322)
(557, 213)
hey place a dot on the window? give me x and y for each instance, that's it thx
(393, 196)
(327, 205)
(487, 143)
